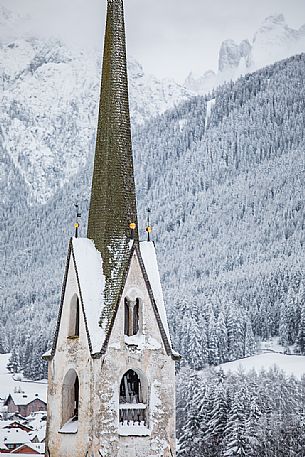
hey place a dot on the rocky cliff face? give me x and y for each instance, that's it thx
(50, 101)
(273, 41)
(231, 55)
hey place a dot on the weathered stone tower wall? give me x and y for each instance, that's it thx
(112, 367)
(145, 354)
(70, 354)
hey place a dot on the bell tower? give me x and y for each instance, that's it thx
(112, 367)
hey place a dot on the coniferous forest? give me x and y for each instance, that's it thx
(251, 415)
(226, 193)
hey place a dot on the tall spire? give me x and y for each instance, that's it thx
(113, 199)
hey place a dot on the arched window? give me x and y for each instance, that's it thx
(74, 318)
(70, 397)
(132, 316)
(133, 401)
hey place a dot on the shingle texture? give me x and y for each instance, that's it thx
(113, 201)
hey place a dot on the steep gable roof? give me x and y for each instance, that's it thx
(23, 399)
(148, 262)
(34, 448)
(87, 263)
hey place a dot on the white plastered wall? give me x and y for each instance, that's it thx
(148, 357)
(70, 354)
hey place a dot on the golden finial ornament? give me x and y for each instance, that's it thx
(76, 225)
(132, 227)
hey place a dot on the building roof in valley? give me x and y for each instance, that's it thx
(23, 399)
(13, 436)
(16, 424)
(37, 448)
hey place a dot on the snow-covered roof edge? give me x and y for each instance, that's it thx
(50, 354)
(154, 287)
(94, 332)
(148, 261)
(91, 282)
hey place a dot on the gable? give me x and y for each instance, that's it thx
(150, 270)
(25, 449)
(86, 263)
(143, 275)
(84, 270)
(16, 424)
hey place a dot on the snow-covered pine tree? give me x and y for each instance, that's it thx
(250, 343)
(222, 337)
(235, 438)
(300, 342)
(212, 340)
(13, 365)
(218, 418)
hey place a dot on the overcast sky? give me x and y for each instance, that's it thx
(169, 37)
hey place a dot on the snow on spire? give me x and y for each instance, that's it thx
(113, 200)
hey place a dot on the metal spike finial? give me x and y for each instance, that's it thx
(148, 227)
(78, 216)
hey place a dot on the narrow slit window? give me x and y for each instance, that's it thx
(126, 320)
(131, 317)
(74, 318)
(136, 317)
(76, 399)
(76, 332)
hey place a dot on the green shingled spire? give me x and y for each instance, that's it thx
(113, 200)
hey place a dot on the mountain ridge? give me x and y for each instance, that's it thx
(273, 41)
(245, 240)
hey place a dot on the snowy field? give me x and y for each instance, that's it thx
(290, 364)
(10, 384)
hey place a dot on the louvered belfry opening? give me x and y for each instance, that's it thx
(133, 407)
(113, 199)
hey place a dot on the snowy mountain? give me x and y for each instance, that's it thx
(201, 84)
(228, 216)
(273, 42)
(150, 96)
(50, 100)
(236, 172)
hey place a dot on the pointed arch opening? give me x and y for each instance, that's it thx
(73, 331)
(70, 402)
(133, 407)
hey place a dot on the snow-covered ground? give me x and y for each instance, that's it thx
(273, 345)
(290, 364)
(10, 384)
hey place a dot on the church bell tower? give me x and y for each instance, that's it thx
(111, 369)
